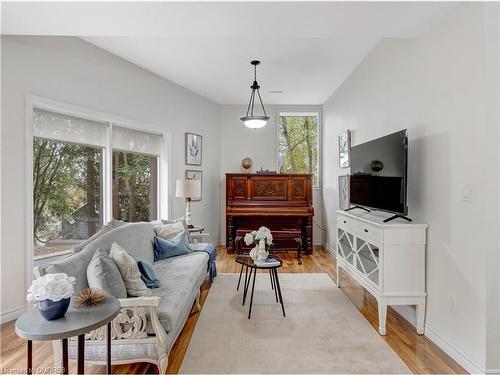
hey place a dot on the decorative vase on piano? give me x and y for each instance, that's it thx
(263, 239)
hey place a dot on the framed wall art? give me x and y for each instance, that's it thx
(194, 149)
(345, 149)
(192, 174)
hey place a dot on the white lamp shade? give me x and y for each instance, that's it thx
(188, 188)
(255, 123)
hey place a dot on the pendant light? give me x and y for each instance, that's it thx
(251, 120)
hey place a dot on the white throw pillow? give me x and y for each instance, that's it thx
(129, 270)
(169, 231)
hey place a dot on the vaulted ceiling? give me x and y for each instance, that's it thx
(307, 49)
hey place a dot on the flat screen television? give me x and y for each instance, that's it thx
(379, 173)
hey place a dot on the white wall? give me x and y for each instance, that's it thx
(70, 70)
(238, 142)
(434, 87)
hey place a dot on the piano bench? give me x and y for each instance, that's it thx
(293, 235)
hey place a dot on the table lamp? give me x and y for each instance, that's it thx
(188, 189)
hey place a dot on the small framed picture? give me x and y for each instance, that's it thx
(194, 149)
(344, 190)
(345, 149)
(192, 174)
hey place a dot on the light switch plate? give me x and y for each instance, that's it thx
(467, 197)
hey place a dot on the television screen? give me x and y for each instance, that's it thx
(378, 173)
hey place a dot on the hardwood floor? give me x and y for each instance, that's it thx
(419, 353)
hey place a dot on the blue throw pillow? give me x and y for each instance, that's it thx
(179, 245)
(148, 274)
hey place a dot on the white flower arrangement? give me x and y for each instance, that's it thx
(52, 286)
(255, 237)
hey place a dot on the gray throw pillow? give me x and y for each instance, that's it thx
(103, 274)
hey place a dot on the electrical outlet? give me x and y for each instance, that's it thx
(453, 304)
(467, 195)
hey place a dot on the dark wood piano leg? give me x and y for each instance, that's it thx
(230, 235)
(299, 249)
(309, 235)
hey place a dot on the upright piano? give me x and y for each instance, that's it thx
(277, 201)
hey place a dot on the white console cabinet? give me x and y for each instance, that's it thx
(387, 259)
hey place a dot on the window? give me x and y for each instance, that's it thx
(135, 175)
(134, 186)
(298, 144)
(67, 182)
(77, 187)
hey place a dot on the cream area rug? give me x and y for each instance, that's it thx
(321, 333)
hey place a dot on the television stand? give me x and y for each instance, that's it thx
(387, 260)
(395, 217)
(353, 207)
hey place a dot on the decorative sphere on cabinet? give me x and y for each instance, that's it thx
(376, 165)
(247, 163)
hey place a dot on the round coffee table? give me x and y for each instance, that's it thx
(248, 264)
(76, 322)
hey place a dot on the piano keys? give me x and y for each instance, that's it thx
(277, 201)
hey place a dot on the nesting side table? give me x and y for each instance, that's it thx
(31, 326)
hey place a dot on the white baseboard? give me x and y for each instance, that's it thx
(454, 353)
(493, 371)
(12, 314)
(329, 248)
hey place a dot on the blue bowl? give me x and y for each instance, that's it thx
(51, 310)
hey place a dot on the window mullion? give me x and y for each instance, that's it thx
(108, 175)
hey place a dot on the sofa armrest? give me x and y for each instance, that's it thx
(132, 321)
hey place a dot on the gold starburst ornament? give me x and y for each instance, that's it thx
(89, 297)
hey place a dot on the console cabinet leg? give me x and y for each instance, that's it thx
(382, 315)
(338, 275)
(420, 316)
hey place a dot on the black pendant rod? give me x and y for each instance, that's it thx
(255, 87)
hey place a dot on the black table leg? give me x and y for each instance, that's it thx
(108, 341)
(29, 364)
(81, 354)
(271, 277)
(65, 356)
(251, 296)
(247, 284)
(279, 290)
(239, 280)
(273, 280)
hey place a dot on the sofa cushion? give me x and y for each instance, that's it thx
(179, 283)
(105, 228)
(74, 265)
(135, 237)
(176, 246)
(129, 271)
(103, 274)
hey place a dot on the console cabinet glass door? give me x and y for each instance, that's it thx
(368, 260)
(346, 245)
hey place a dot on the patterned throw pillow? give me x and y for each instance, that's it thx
(103, 274)
(169, 231)
(129, 270)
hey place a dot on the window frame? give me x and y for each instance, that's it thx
(298, 112)
(164, 171)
